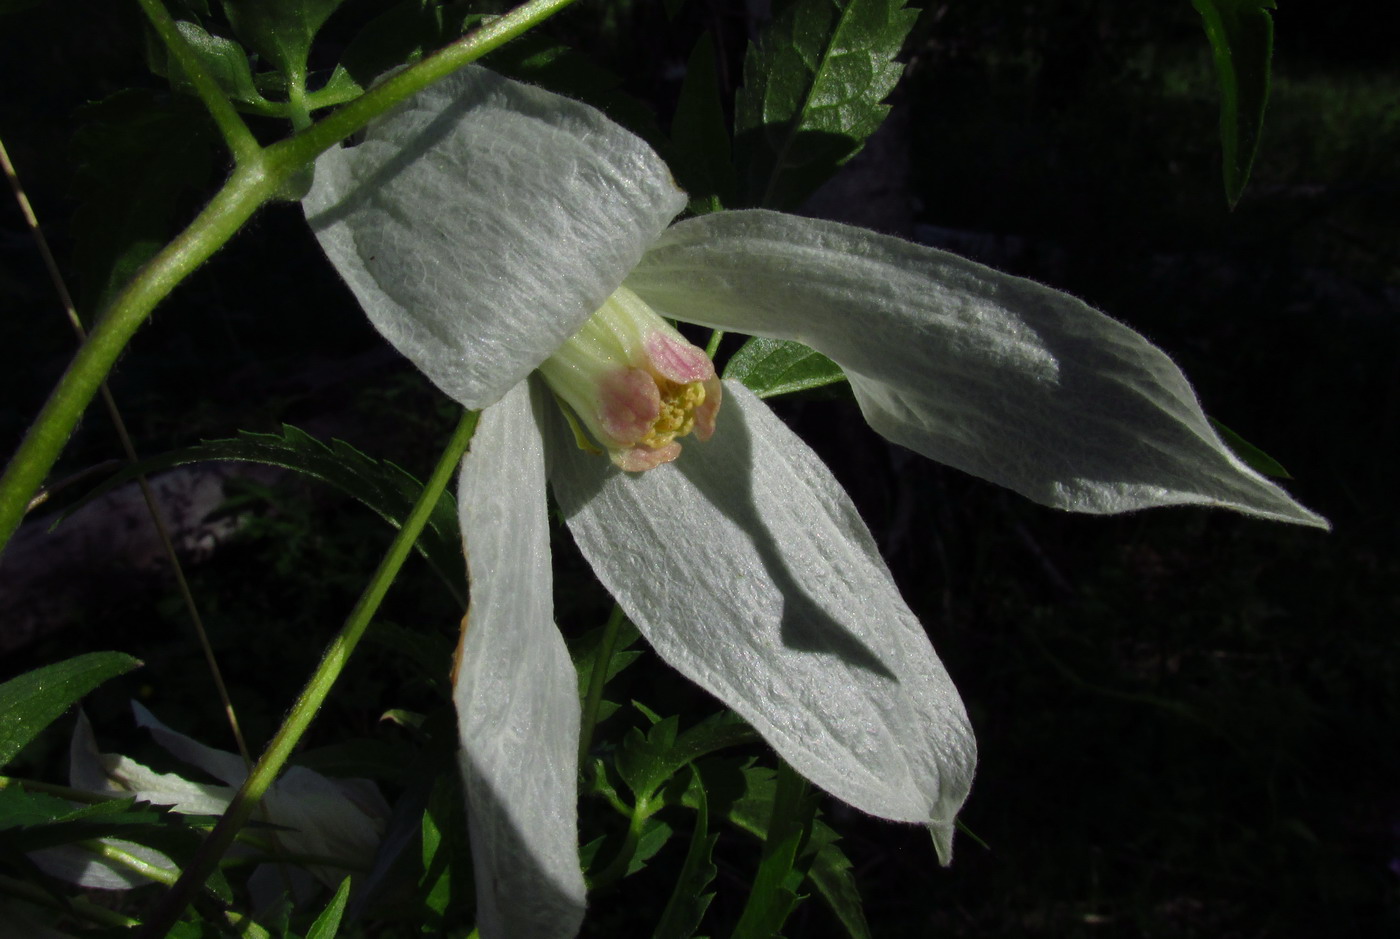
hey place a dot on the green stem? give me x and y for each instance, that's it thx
(251, 184)
(601, 665)
(334, 128)
(317, 687)
(617, 868)
(246, 189)
(713, 345)
(240, 140)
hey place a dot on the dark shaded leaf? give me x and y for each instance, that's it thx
(688, 902)
(381, 486)
(281, 31)
(141, 157)
(1253, 457)
(699, 135)
(1241, 34)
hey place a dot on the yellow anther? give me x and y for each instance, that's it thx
(677, 417)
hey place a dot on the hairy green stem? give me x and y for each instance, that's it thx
(239, 139)
(317, 688)
(251, 184)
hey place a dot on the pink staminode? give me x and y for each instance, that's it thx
(677, 359)
(628, 405)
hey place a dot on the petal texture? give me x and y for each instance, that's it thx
(748, 569)
(516, 690)
(481, 223)
(996, 375)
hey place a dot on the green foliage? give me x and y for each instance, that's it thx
(814, 89)
(224, 59)
(744, 795)
(140, 156)
(379, 485)
(280, 31)
(771, 367)
(1254, 458)
(783, 865)
(1241, 34)
(647, 761)
(327, 925)
(699, 137)
(689, 901)
(34, 700)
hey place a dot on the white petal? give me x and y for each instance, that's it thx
(483, 222)
(745, 565)
(996, 375)
(516, 691)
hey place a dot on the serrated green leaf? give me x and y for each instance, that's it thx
(281, 31)
(655, 834)
(742, 795)
(34, 700)
(584, 652)
(328, 923)
(381, 486)
(645, 763)
(773, 894)
(688, 902)
(1241, 35)
(1253, 457)
(141, 158)
(770, 367)
(814, 89)
(701, 141)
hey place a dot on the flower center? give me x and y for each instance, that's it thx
(634, 383)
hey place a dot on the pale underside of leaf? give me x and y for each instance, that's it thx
(516, 691)
(996, 375)
(747, 568)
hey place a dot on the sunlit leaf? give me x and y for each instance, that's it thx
(814, 91)
(32, 701)
(780, 366)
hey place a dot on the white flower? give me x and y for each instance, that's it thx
(484, 223)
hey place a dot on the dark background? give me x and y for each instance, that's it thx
(1186, 718)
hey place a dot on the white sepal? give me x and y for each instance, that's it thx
(483, 221)
(996, 375)
(747, 568)
(516, 691)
